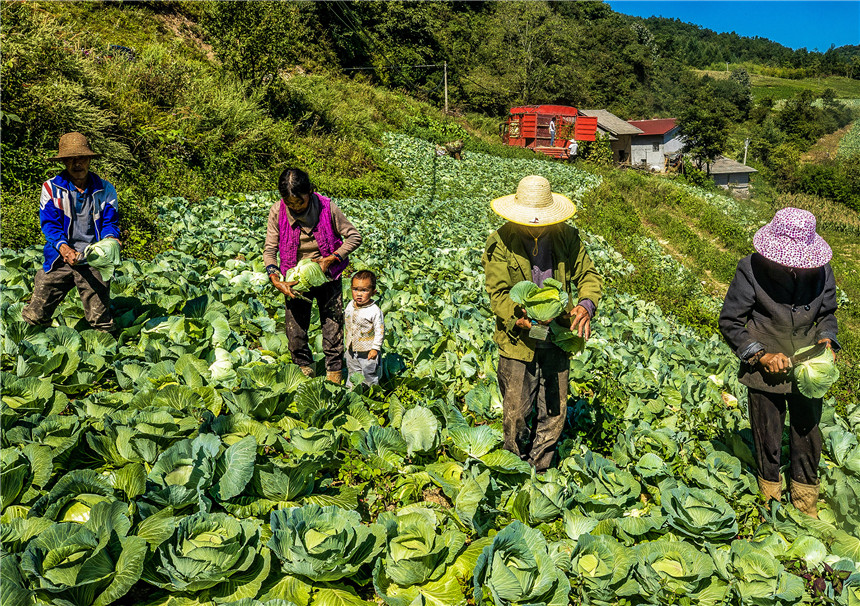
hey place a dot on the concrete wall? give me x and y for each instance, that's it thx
(737, 183)
(642, 148)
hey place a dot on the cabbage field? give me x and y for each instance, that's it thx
(187, 462)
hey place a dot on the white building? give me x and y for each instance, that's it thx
(659, 138)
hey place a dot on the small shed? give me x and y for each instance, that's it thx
(658, 139)
(620, 133)
(732, 175)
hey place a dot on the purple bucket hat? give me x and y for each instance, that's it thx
(790, 240)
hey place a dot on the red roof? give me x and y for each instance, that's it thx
(655, 127)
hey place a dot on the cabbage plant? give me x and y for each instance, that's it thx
(516, 568)
(668, 570)
(761, 579)
(418, 549)
(323, 543)
(82, 564)
(814, 377)
(699, 514)
(210, 551)
(602, 567)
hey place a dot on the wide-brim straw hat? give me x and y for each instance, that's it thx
(534, 204)
(790, 239)
(74, 145)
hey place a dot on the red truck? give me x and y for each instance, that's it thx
(528, 126)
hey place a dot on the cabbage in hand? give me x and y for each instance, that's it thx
(307, 273)
(541, 304)
(814, 377)
(104, 256)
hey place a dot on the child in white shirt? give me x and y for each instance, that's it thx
(364, 328)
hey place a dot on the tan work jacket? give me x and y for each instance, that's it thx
(506, 262)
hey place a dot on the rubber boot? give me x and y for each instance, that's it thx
(335, 376)
(805, 497)
(307, 371)
(770, 490)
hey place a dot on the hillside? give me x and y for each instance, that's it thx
(187, 461)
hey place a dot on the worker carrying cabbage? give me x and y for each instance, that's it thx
(309, 240)
(781, 301)
(529, 264)
(79, 217)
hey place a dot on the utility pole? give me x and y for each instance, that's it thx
(746, 146)
(445, 78)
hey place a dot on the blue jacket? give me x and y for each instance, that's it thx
(56, 208)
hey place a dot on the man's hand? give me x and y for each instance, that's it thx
(775, 364)
(69, 254)
(524, 323)
(284, 287)
(371, 355)
(118, 241)
(326, 262)
(581, 321)
(829, 346)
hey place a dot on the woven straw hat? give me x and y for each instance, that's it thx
(790, 239)
(534, 204)
(74, 145)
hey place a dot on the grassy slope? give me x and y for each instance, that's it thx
(783, 88)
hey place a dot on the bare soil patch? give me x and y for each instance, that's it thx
(185, 29)
(826, 147)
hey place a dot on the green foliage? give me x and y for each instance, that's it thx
(257, 41)
(704, 120)
(597, 152)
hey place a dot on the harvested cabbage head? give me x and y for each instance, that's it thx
(814, 377)
(541, 304)
(308, 274)
(104, 256)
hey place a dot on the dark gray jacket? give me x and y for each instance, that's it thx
(777, 309)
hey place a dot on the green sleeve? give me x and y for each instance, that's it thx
(583, 274)
(498, 281)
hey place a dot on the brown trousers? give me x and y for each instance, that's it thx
(329, 298)
(50, 289)
(767, 420)
(534, 393)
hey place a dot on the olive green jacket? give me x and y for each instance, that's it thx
(506, 262)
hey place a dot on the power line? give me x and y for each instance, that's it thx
(398, 67)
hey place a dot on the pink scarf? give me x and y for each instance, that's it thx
(324, 233)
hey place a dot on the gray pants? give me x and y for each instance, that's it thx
(534, 392)
(50, 289)
(357, 361)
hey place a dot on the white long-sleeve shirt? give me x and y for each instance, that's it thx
(364, 327)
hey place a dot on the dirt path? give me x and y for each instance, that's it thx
(826, 147)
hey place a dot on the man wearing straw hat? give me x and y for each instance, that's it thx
(783, 298)
(536, 244)
(76, 209)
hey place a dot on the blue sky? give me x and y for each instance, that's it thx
(795, 24)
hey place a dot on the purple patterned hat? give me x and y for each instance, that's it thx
(790, 240)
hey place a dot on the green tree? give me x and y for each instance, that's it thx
(704, 122)
(255, 40)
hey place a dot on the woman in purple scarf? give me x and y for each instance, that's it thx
(306, 225)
